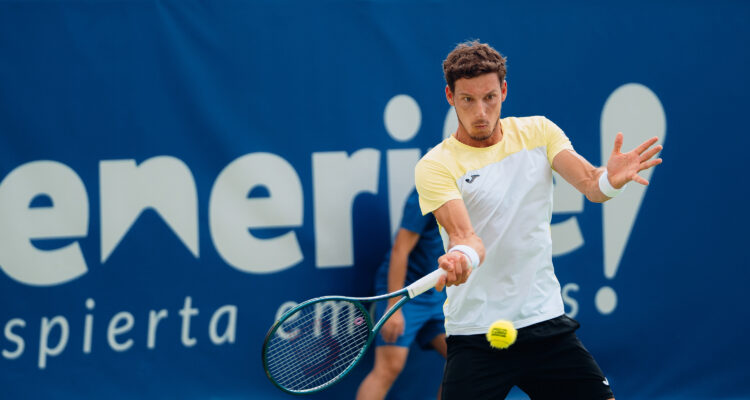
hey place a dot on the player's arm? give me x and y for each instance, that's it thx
(621, 169)
(398, 264)
(454, 218)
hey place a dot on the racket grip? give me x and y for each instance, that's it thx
(425, 283)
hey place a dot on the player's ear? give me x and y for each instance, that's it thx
(449, 95)
(504, 89)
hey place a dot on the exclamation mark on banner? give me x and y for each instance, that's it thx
(636, 111)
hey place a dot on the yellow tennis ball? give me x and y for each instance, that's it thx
(501, 334)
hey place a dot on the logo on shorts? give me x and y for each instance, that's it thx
(605, 381)
(472, 178)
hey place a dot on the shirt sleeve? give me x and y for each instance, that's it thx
(435, 184)
(555, 138)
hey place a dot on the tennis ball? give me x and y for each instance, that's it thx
(501, 334)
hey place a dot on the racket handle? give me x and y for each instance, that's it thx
(425, 283)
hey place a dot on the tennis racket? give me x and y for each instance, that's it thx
(317, 343)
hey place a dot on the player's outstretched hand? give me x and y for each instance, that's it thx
(624, 167)
(457, 269)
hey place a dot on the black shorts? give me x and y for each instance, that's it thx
(547, 362)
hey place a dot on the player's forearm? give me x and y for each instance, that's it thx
(586, 181)
(581, 174)
(454, 218)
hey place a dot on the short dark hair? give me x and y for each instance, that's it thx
(471, 59)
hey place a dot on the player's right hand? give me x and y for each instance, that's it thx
(393, 327)
(457, 269)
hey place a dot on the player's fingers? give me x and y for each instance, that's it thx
(440, 284)
(639, 179)
(645, 145)
(649, 164)
(452, 269)
(651, 152)
(459, 266)
(465, 268)
(467, 274)
(618, 143)
(450, 277)
(446, 264)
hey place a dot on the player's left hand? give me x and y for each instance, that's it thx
(624, 167)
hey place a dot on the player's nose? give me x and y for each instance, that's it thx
(482, 110)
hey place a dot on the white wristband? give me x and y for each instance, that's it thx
(469, 252)
(607, 188)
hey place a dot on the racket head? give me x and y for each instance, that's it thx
(315, 344)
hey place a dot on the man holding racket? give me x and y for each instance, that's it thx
(490, 187)
(415, 249)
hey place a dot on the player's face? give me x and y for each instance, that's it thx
(478, 102)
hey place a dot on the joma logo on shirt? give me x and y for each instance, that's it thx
(470, 180)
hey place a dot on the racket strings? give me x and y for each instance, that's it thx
(316, 344)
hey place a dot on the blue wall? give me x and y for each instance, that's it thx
(172, 173)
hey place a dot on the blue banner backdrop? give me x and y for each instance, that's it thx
(174, 174)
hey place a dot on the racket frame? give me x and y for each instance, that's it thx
(408, 293)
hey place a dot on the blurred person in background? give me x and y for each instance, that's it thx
(415, 250)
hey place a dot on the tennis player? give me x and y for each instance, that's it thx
(415, 249)
(490, 187)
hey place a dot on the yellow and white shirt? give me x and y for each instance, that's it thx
(507, 189)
